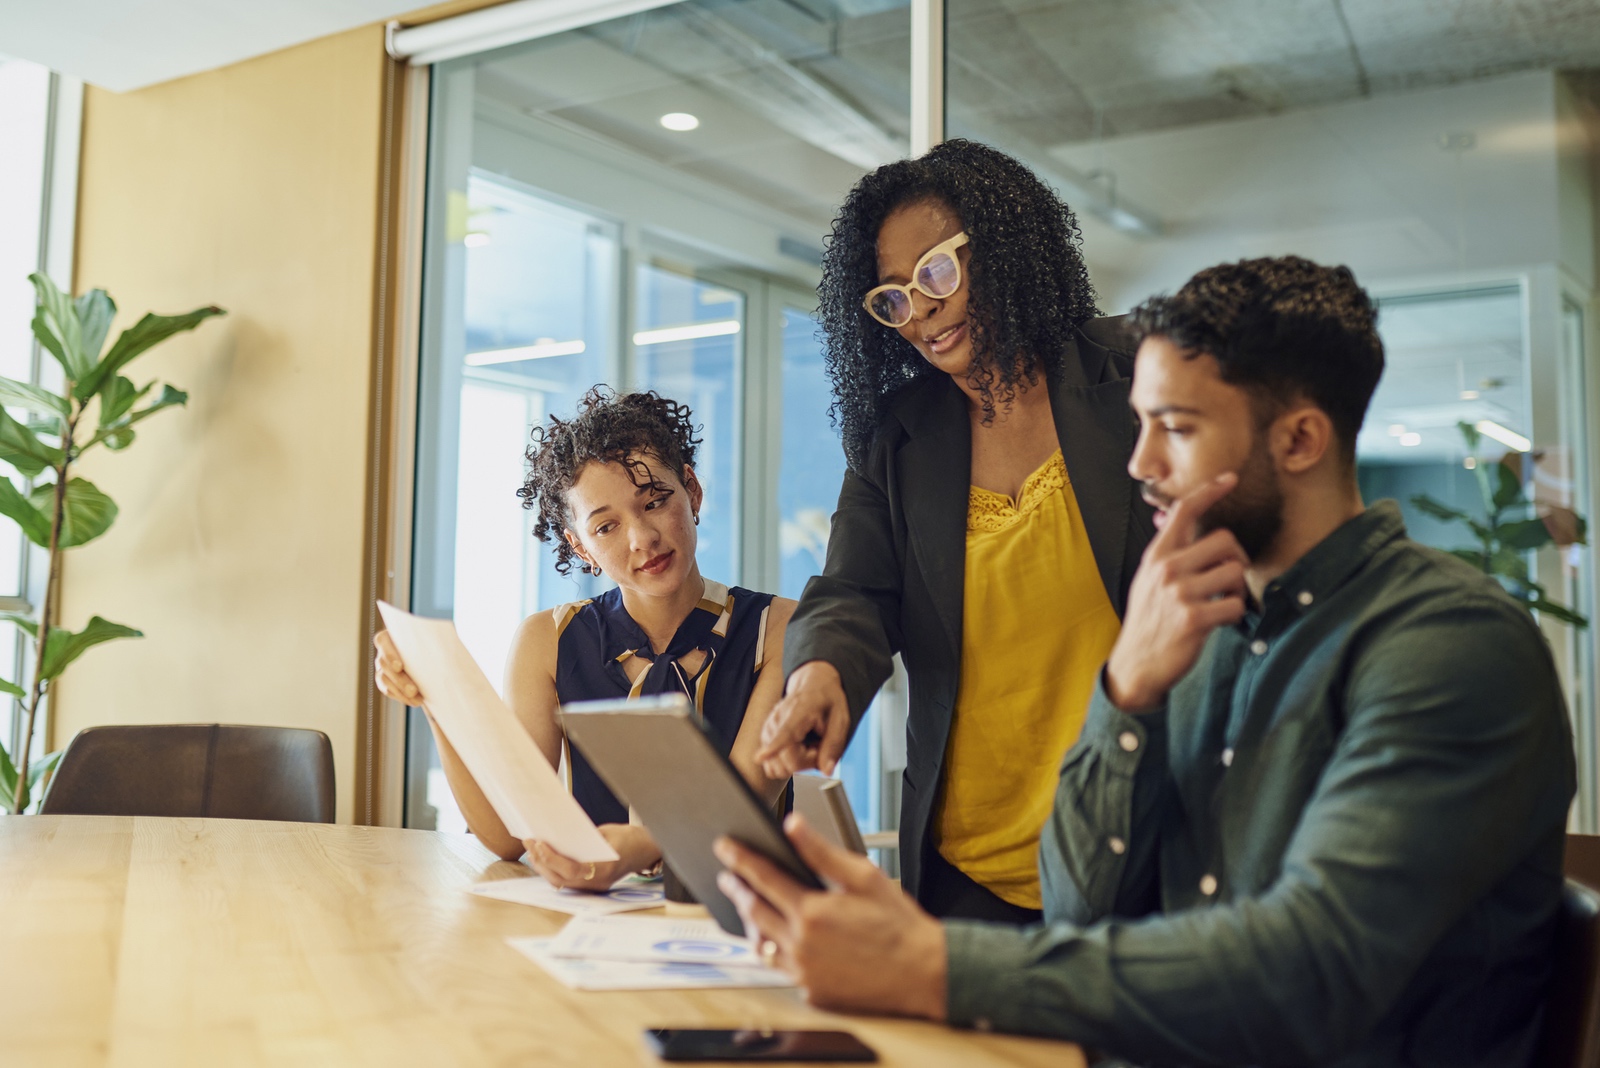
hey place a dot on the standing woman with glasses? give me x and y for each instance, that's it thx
(987, 528)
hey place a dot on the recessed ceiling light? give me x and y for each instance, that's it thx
(1509, 438)
(475, 239)
(1411, 439)
(679, 121)
(1396, 429)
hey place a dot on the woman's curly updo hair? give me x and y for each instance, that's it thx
(1028, 288)
(609, 428)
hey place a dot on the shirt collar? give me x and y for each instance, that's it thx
(1333, 560)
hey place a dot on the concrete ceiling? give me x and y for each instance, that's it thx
(128, 44)
(1059, 71)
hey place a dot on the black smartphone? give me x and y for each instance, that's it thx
(678, 1044)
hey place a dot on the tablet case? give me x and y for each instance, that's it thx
(825, 805)
(652, 753)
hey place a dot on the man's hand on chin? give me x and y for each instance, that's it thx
(862, 946)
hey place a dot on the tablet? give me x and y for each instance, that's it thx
(654, 756)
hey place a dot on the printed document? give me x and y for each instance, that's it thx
(654, 940)
(581, 974)
(533, 890)
(516, 778)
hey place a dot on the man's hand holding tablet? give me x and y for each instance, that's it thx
(863, 945)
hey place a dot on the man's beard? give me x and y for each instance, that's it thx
(1253, 511)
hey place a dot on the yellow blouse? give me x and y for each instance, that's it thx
(1037, 626)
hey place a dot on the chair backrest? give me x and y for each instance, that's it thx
(196, 769)
(1583, 859)
(1571, 1036)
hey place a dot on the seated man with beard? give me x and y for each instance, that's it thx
(1316, 814)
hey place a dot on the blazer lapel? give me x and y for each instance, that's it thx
(1097, 433)
(935, 470)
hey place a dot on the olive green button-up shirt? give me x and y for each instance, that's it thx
(1338, 843)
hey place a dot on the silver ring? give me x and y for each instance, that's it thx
(590, 876)
(769, 951)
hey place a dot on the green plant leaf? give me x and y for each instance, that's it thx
(118, 396)
(62, 647)
(56, 325)
(86, 513)
(1424, 503)
(1469, 434)
(12, 688)
(22, 449)
(8, 781)
(1556, 611)
(24, 622)
(95, 310)
(1524, 534)
(120, 436)
(31, 397)
(1507, 487)
(1508, 563)
(134, 341)
(13, 505)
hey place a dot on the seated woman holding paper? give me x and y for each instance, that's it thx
(617, 495)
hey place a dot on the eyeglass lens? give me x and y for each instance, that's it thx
(892, 306)
(938, 277)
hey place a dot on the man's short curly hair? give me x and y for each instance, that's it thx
(1282, 327)
(1028, 288)
(609, 428)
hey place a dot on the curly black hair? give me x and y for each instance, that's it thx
(1282, 327)
(1028, 285)
(609, 428)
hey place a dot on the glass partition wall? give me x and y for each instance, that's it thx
(640, 203)
(643, 202)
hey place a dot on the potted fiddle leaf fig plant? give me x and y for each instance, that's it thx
(98, 405)
(1513, 526)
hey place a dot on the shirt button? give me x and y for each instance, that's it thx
(1305, 598)
(1227, 758)
(1208, 885)
(1117, 846)
(1128, 740)
(1258, 647)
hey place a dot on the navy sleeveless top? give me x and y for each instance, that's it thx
(597, 637)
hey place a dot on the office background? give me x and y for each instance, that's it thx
(424, 254)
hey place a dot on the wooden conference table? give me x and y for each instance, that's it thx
(146, 941)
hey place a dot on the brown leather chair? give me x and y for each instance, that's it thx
(196, 769)
(1583, 859)
(1571, 1036)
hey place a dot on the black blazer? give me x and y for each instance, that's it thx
(896, 567)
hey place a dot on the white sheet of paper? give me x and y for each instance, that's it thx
(532, 890)
(653, 939)
(582, 974)
(516, 778)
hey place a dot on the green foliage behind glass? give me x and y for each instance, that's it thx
(1510, 530)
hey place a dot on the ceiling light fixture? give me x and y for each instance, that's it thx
(1509, 438)
(541, 349)
(691, 332)
(475, 239)
(679, 121)
(1396, 429)
(1411, 439)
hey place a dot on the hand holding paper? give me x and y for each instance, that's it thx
(515, 777)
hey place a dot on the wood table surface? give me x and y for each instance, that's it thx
(135, 941)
